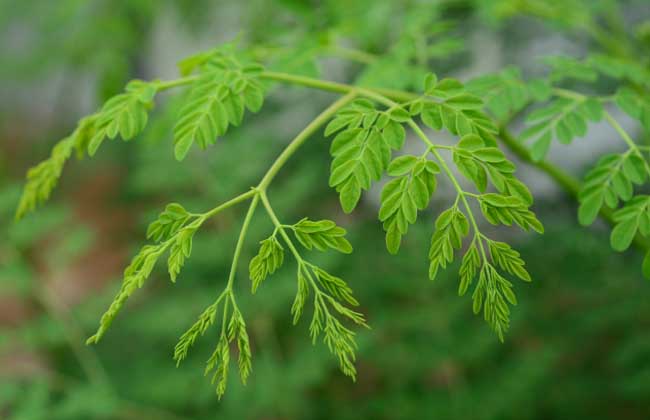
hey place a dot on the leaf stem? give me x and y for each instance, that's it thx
(626, 138)
(240, 241)
(279, 226)
(241, 197)
(169, 84)
(313, 126)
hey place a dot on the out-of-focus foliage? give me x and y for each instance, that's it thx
(577, 346)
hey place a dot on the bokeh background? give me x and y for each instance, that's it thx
(579, 346)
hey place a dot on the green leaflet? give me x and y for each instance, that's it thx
(448, 104)
(507, 259)
(403, 196)
(612, 178)
(505, 93)
(172, 225)
(635, 105)
(506, 210)
(469, 266)
(269, 258)
(362, 149)
(234, 331)
(125, 114)
(329, 292)
(619, 68)
(451, 227)
(478, 162)
(42, 178)
(492, 292)
(180, 249)
(223, 84)
(173, 231)
(322, 235)
(224, 89)
(633, 217)
(219, 362)
(134, 277)
(564, 119)
(206, 319)
(168, 222)
(563, 68)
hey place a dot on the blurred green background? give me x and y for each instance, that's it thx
(579, 346)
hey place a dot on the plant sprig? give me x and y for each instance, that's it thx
(221, 83)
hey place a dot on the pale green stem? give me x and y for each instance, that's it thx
(242, 197)
(240, 241)
(164, 85)
(307, 132)
(626, 138)
(280, 227)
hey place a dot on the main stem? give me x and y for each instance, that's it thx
(241, 239)
(307, 132)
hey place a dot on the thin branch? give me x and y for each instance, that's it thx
(298, 141)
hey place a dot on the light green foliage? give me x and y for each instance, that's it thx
(125, 114)
(447, 104)
(368, 126)
(219, 362)
(506, 92)
(225, 87)
(564, 119)
(403, 196)
(506, 210)
(134, 277)
(478, 162)
(619, 68)
(321, 235)
(563, 68)
(42, 178)
(451, 227)
(168, 223)
(565, 115)
(610, 180)
(330, 293)
(173, 231)
(634, 104)
(493, 292)
(269, 258)
(233, 330)
(403, 65)
(634, 216)
(362, 148)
